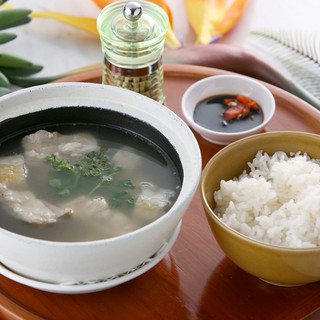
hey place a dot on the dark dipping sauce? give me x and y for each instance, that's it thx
(208, 114)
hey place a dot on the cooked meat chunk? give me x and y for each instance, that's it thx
(96, 207)
(12, 170)
(119, 223)
(25, 206)
(113, 222)
(126, 157)
(42, 143)
(152, 202)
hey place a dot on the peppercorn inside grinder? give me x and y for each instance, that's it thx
(132, 38)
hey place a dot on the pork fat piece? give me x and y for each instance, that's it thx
(42, 143)
(12, 170)
(25, 206)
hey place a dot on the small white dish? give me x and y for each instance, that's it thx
(99, 285)
(227, 85)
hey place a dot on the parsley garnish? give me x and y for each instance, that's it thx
(91, 173)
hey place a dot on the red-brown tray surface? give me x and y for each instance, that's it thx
(195, 280)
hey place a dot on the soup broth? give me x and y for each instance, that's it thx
(141, 185)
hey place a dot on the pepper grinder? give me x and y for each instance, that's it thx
(132, 38)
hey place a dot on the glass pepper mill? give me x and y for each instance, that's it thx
(132, 38)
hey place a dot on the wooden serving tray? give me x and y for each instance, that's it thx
(195, 280)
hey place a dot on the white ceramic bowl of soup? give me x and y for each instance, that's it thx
(211, 124)
(59, 262)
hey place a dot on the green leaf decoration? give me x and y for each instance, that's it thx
(4, 82)
(14, 17)
(15, 70)
(4, 91)
(25, 82)
(6, 37)
(297, 54)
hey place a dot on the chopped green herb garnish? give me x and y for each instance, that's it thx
(91, 173)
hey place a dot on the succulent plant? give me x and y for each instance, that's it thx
(13, 69)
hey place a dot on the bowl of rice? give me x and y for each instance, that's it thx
(261, 195)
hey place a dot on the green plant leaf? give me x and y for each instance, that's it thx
(11, 61)
(21, 72)
(25, 82)
(4, 91)
(13, 69)
(6, 37)
(4, 82)
(14, 17)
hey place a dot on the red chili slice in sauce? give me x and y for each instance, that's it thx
(239, 107)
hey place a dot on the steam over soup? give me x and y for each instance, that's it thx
(83, 183)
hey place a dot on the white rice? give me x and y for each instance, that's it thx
(277, 202)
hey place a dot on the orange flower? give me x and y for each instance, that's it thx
(211, 19)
